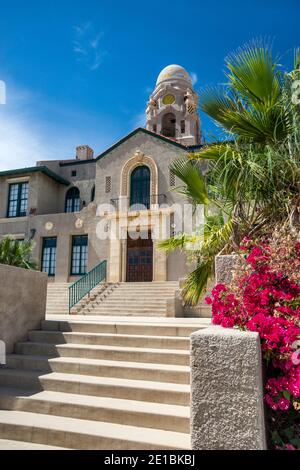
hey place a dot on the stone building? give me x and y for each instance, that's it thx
(82, 211)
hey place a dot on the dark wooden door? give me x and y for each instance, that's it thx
(139, 259)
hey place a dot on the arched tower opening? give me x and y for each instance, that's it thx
(168, 125)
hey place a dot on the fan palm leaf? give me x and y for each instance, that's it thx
(250, 106)
(190, 174)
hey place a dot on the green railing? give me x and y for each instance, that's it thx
(86, 283)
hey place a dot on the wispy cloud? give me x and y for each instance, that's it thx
(87, 45)
(194, 78)
(20, 142)
(33, 129)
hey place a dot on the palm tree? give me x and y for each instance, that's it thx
(16, 253)
(252, 181)
(254, 105)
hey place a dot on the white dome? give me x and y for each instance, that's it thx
(173, 72)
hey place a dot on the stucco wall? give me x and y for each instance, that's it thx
(227, 407)
(49, 193)
(22, 303)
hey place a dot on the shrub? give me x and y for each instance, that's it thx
(16, 253)
(264, 296)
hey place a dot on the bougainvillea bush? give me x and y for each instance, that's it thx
(264, 296)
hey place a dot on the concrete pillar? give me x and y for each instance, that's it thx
(115, 259)
(63, 257)
(224, 267)
(159, 263)
(227, 410)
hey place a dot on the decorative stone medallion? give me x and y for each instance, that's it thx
(49, 226)
(79, 223)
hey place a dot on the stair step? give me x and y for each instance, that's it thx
(127, 310)
(106, 368)
(167, 356)
(141, 390)
(6, 444)
(85, 434)
(132, 302)
(114, 410)
(107, 313)
(163, 342)
(137, 328)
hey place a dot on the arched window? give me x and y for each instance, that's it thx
(93, 194)
(73, 203)
(168, 127)
(140, 187)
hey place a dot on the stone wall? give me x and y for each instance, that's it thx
(22, 303)
(227, 410)
(224, 265)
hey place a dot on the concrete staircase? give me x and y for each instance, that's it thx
(86, 384)
(58, 298)
(120, 299)
(146, 299)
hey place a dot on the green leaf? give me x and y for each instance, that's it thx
(276, 438)
(194, 184)
(196, 282)
(296, 442)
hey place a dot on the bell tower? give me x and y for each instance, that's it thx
(172, 107)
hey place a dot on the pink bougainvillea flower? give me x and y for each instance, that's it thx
(264, 297)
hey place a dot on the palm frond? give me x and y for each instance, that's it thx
(197, 281)
(252, 74)
(194, 184)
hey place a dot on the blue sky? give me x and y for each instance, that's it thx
(80, 72)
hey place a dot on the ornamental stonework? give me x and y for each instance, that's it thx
(139, 159)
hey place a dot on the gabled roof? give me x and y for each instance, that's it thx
(35, 169)
(187, 148)
(153, 134)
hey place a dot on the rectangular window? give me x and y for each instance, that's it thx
(49, 256)
(154, 128)
(79, 255)
(108, 184)
(74, 173)
(17, 200)
(182, 125)
(172, 179)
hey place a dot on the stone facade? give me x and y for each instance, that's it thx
(104, 184)
(224, 267)
(227, 406)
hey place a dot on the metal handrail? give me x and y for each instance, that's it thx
(83, 286)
